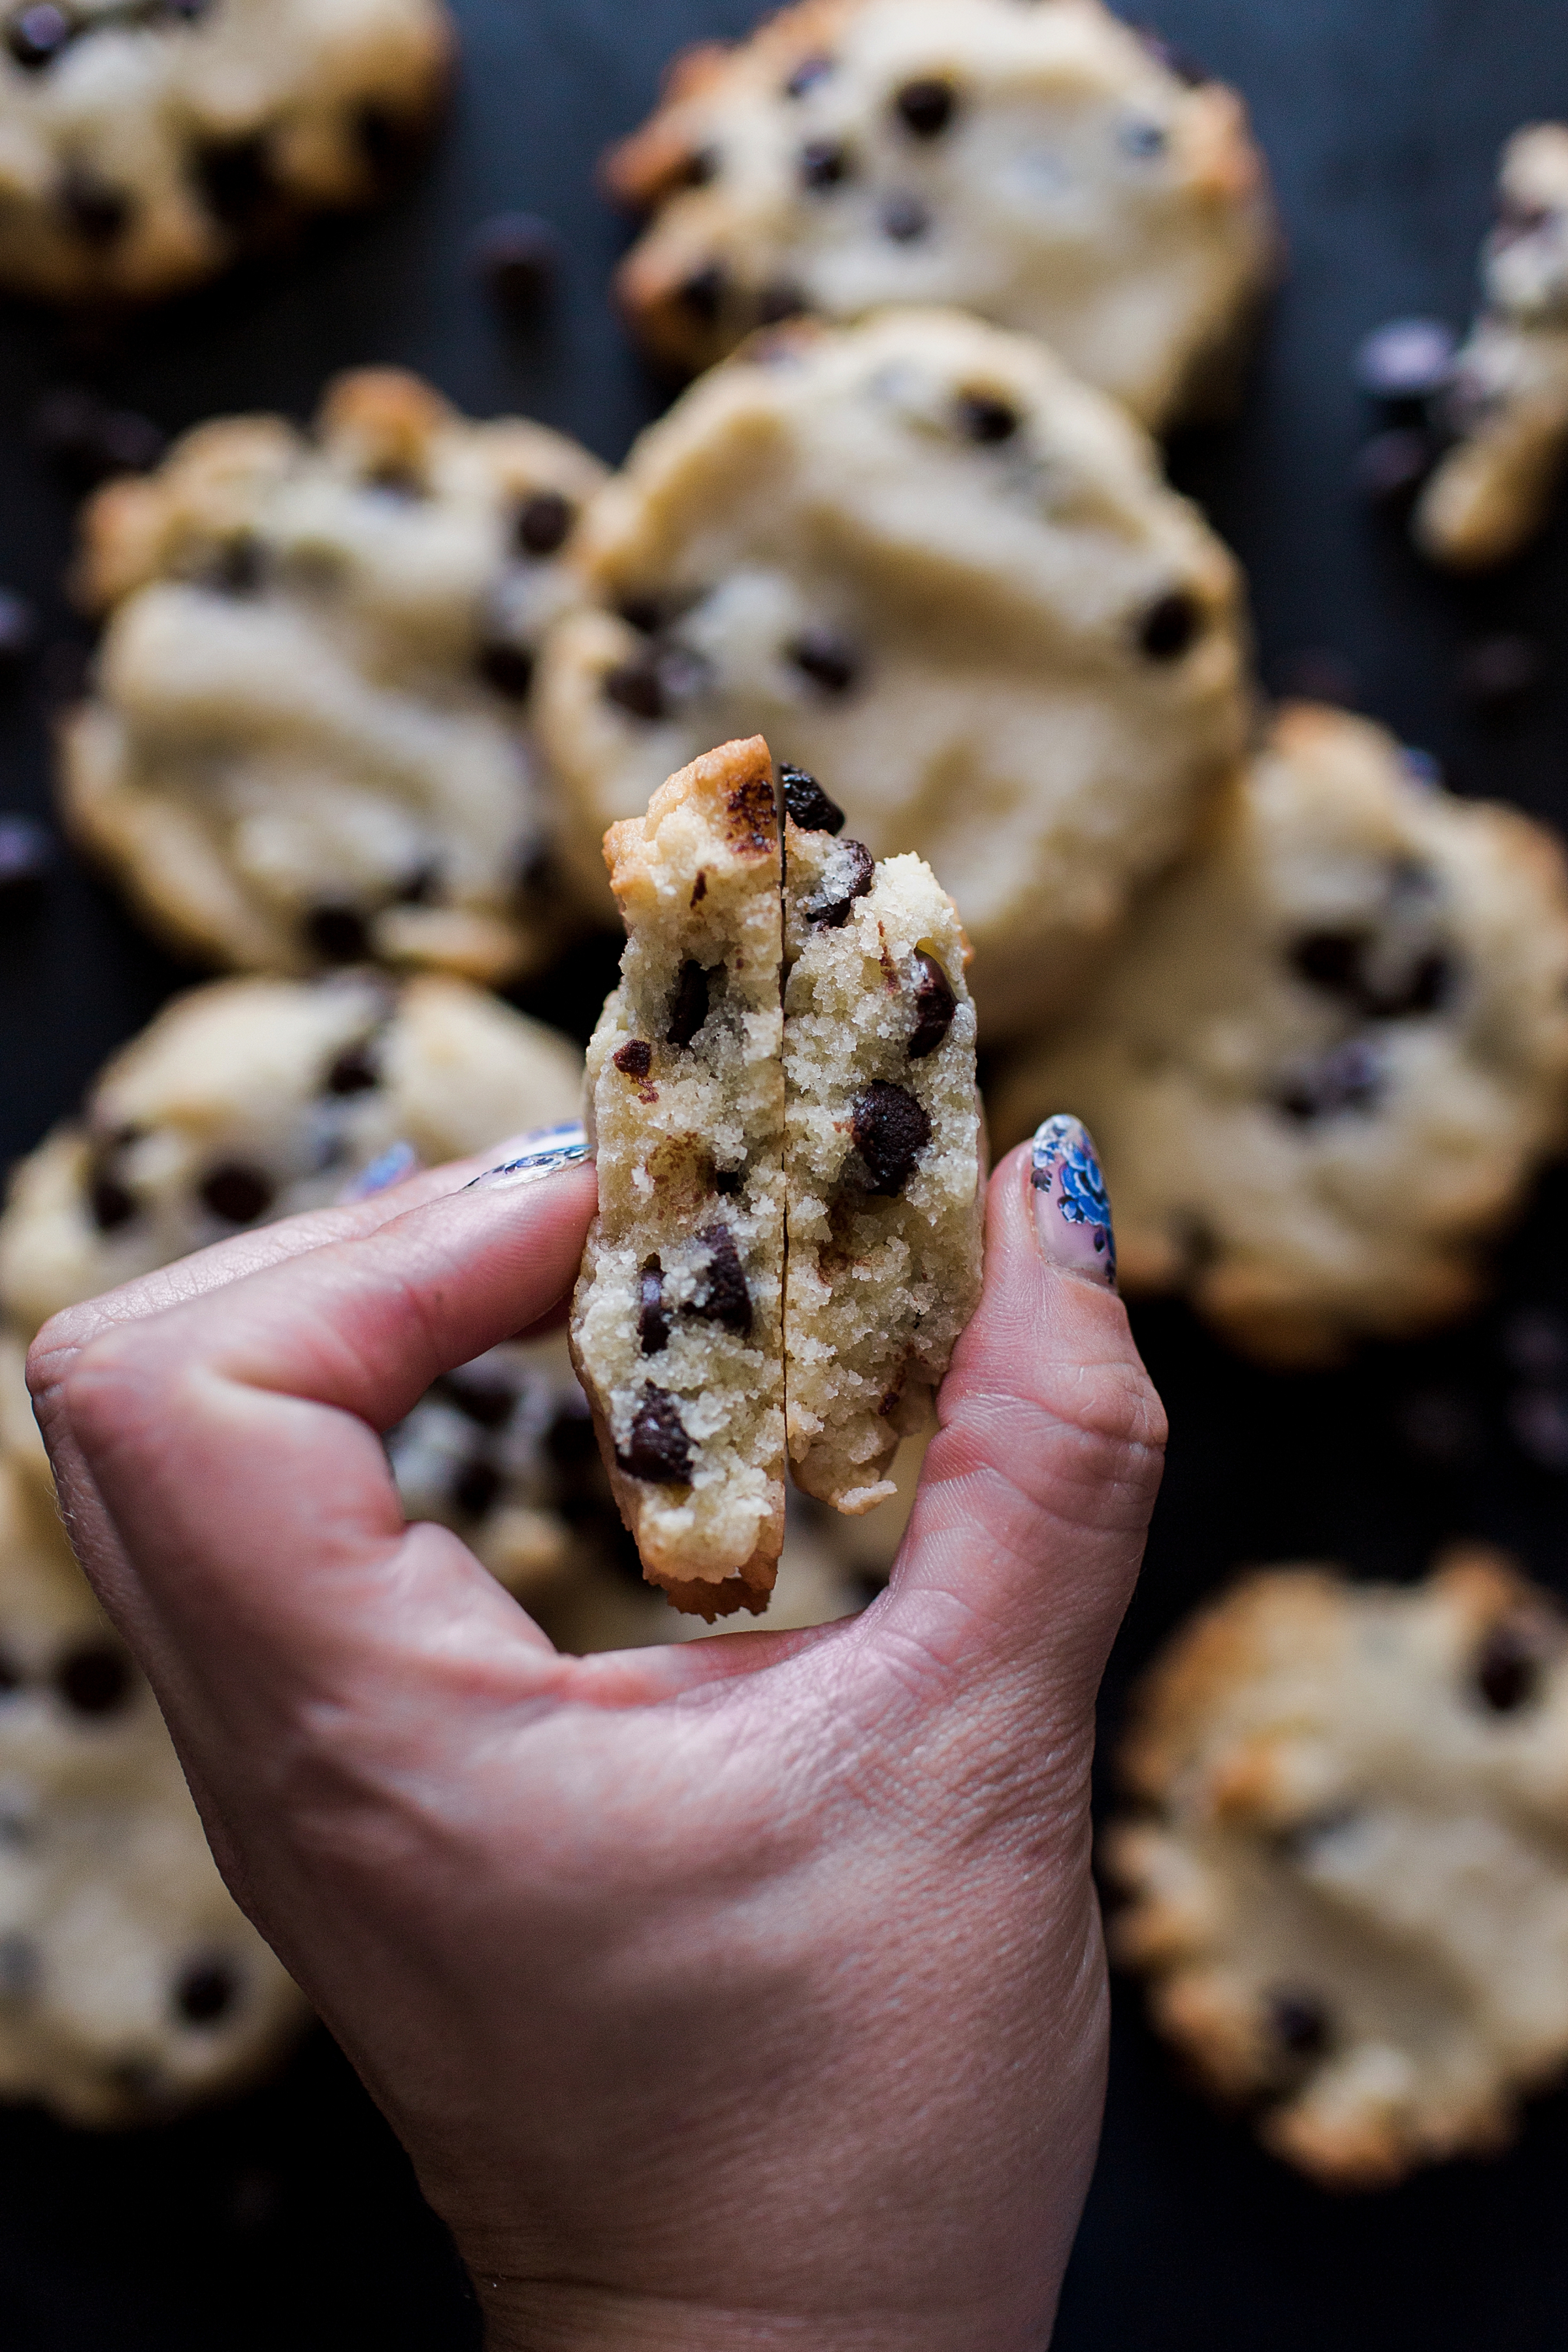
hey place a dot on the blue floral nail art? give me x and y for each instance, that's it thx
(398, 1160)
(1065, 1171)
(565, 1146)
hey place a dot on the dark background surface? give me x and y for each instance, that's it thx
(291, 2217)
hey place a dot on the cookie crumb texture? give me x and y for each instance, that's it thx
(677, 1320)
(309, 741)
(882, 1160)
(1332, 1053)
(145, 144)
(936, 569)
(1348, 1887)
(131, 1988)
(1047, 167)
(1507, 402)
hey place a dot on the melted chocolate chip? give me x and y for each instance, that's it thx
(659, 1449)
(1170, 627)
(94, 1679)
(1348, 1078)
(544, 522)
(935, 1006)
(234, 176)
(827, 658)
(1299, 2023)
(206, 1991)
(806, 804)
(99, 211)
(653, 1323)
(476, 1488)
(508, 669)
(723, 1297)
(823, 163)
(904, 219)
(355, 1070)
(36, 37)
(237, 1193)
(807, 74)
(1508, 1672)
(926, 106)
(338, 934)
(984, 418)
(635, 1058)
(891, 1131)
(516, 256)
(848, 875)
(635, 685)
(481, 1396)
(702, 295)
(689, 1004)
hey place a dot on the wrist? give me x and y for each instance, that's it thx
(546, 2315)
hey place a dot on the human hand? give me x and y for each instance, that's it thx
(746, 1992)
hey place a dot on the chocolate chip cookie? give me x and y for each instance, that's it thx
(1348, 1887)
(1047, 167)
(1331, 1052)
(936, 569)
(309, 741)
(144, 144)
(883, 1159)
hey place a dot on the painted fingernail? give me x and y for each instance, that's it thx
(389, 1168)
(1072, 1208)
(537, 1156)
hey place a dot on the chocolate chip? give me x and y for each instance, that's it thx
(544, 522)
(689, 1004)
(338, 934)
(826, 659)
(1342, 962)
(779, 300)
(517, 256)
(807, 74)
(723, 1297)
(236, 1193)
(569, 1441)
(1508, 1672)
(27, 860)
(891, 1131)
(935, 1006)
(701, 168)
(476, 1488)
(206, 1991)
(1331, 960)
(701, 296)
(926, 106)
(1176, 60)
(1170, 627)
(806, 804)
(848, 875)
(36, 37)
(823, 163)
(1299, 2023)
(10, 1676)
(1348, 1078)
(355, 1071)
(422, 886)
(94, 1679)
(1406, 359)
(508, 669)
(729, 1182)
(19, 631)
(99, 211)
(904, 218)
(238, 568)
(643, 614)
(1496, 675)
(653, 1323)
(659, 1449)
(984, 418)
(635, 1058)
(635, 685)
(1391, 468)
(110, 1203)
(234, 176)
(85, 440)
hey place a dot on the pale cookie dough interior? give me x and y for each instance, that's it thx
(309, 738)
(1332, 1051)
(1349, 1887)
(1047, 167)
(676, 1321)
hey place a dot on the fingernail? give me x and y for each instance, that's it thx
(1072, 1208)
(537, 1156)
(389, 1168)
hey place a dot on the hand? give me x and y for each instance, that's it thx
(743, 1993)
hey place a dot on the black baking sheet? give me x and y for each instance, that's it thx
(290, 2218)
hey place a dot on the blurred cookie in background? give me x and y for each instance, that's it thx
(1347, 1883)
(145, 144)
(932, 567)
(309, 738)
(1049, 168)
(1331, 1052)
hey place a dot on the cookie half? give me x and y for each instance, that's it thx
(676, 1323)
(1047, 167)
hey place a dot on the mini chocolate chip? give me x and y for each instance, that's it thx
(653, 1323)
(110, 1203)
(823, 163)
(238, 568)
(99, 211)
(1139, 137)
(355, 1071)
(984, 418)
(1331, 960)
(723, 1297)
(1406, 359)
(935, 1006)
(1176, 60)
(891, 1131)
(476, 1488)
(508, 669)
(19, 631)
(234, 176)
(1497, 673)
(806, 804)
(826, 659)
(516, 256)
(643, 614)
(807, 74)
(635, 685)
(701, 168)
(236, 1193)
(1508, 1672)
(26, 859)
(904, 218)
(1300, 2024)
(659, 1449)
(482, 1398)
(206, 1991)
(702, 295)
(36, 37)
(635, 1058)
(1170, 627)
(848, 875)
(544, 522)
(338, 934)
(926, 106)
(1348, 1078)
(94, 1679)
(1391, 468)
(422, 886)
(687, 1005)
